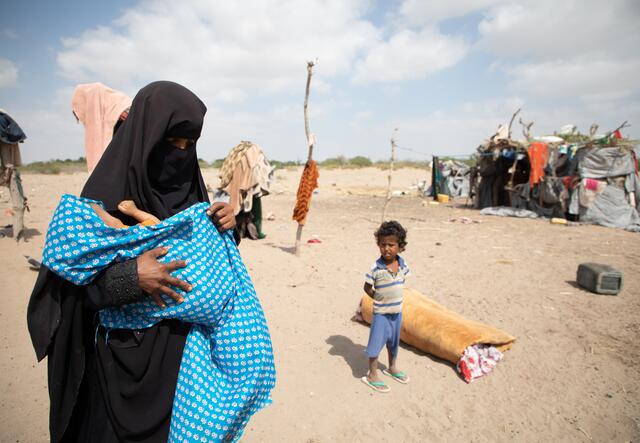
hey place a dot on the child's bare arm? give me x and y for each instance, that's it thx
(368, 288)
(107, 218)
(128, 207)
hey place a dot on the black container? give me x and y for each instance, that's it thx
(599, 278)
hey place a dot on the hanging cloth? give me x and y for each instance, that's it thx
(308, 182)
(98, 108)
(538, 152)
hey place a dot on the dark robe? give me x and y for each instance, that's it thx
(121, 389)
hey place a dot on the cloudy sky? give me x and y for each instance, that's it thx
(445, 73)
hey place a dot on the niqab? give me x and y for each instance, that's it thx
(140, 164)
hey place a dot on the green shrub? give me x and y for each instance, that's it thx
(55, 167)
(334, 162)
(360, 161)
(286, 164)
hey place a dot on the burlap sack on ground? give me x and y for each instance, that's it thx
(434, 329)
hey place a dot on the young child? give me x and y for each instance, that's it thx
(127, 207)
(384, 283)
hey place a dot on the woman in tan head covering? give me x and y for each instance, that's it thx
(100, 109)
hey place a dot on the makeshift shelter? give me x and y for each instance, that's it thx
(10, 135)
(101, 110)
(246, 177)
(593, 179)
(450, 177)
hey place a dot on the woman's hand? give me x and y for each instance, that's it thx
(222, 216)
(155, 278)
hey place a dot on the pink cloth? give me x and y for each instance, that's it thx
(478, 360)
(98, 108)
(591, 184)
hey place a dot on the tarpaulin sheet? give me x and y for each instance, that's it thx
(611, 208)
(605, 162)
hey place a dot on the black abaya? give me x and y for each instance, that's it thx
(121, 389)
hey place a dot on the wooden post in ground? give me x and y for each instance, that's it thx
(393, 158)
(310, 140)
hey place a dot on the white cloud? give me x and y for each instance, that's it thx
(8, 73)
(460, 129)
(548, 29)
(49, 128)
(9, 33)
(590, 80)
(218, 49)
(564, 62)
(410, 55)
(420, 12)
(570, 49)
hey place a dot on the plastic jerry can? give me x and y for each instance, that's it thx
(599, 278)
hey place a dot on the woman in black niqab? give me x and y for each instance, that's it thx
(142, 165)
(122, 389)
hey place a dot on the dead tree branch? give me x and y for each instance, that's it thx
(393, 158)
(310, 140)
(511, 122)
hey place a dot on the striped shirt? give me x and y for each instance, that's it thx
(388, 286)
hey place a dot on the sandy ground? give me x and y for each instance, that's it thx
(573, 374)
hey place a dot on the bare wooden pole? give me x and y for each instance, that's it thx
(393, 158)
(310, 140)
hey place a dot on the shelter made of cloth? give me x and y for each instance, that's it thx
(245, 174)
(11, 134)
(10, 131)
(98, 108)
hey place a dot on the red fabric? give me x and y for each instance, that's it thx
(617, 134)
(308, 182)
(538, 152)
(591, 184)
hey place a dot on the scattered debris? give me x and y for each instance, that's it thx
(463, 220)
(34, 264)
(314, 239)
(599, 278)
(505, 262)
(271, 216)
(443, 198)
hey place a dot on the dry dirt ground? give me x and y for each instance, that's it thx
(573, 374)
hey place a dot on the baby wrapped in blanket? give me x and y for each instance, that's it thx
(227, 369)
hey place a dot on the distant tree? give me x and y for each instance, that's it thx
(338, 161)
(217, 163)
(360, 161)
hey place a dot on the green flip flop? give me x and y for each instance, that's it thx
(378, 386)
(400, 377)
